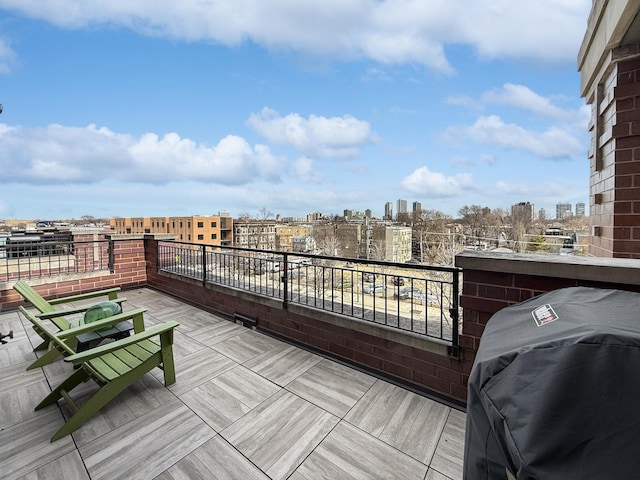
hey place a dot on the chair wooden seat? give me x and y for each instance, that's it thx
(113, 366)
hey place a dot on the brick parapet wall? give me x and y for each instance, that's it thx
(412, 359)
(494, 281)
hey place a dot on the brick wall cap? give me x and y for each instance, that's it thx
(612, 270)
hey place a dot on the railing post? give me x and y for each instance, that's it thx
(112, 256)
(285, 280)
(454, 349)
(204, 264)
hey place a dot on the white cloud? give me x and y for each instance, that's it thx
(305, 171)
(524, 98)
(335, 137)
(430, 184)
(7, 57)
(59, 154)
(555, 142)
(385, 31)
(513, 188)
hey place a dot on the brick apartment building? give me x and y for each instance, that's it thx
(201, 229)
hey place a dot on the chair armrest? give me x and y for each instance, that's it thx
(83, 296)
(119, 344)
(71, 311)
(136, 315)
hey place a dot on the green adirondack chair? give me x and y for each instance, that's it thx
(85, 332)
(48, 311)
(113, 366)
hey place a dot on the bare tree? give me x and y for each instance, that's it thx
(244, 216)
(329, 245)
(264, 214)
(378, 250)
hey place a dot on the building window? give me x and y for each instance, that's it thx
(188, 224)
(200, 224)
(189, 237)
(180, 224)
(173, 224)
(214, 236)
(213, 224)
(180, 236)
(200, 237)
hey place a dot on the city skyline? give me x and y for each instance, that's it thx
(127, 110)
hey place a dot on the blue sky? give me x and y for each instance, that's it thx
(138, 108)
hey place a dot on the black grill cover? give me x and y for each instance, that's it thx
(554, 392)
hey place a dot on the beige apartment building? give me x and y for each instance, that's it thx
(394, 241)
(200, 229)
(286, 233)
(257, 234)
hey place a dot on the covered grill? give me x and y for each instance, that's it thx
(554, 392)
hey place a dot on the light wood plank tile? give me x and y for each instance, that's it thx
(147, 446)
(247, 345)
(217, 332)
(224, 399)
(136, 401)
(196, 369)
(67, 467)
(435, 475)
(403, 419)
(449, 456)
(196, 319)
(283, 364)
(16, 351)
(20, 391)
(280, 433)
(332, 386)
(349, 453)
(27, 446)
(215, 460)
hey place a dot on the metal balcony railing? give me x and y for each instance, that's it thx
(29, 260)
(415, 298)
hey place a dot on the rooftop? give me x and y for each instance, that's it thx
(245, 405)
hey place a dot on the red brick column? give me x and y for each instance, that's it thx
(615, 163)
(492, 282)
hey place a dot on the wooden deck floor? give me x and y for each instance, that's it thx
(245, 406)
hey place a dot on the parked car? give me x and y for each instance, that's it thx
(397, 281)
(406, 293)
(343, 284)
(373, 289)
(369, 277)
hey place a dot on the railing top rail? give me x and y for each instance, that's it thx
(360, 261)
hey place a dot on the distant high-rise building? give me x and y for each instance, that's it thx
(417, 208)
(563, 210)
(312, 217)
(542, 214)
(388, 211)
(367, 213)
(401, 208)
(580, 208)
(523, 212)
